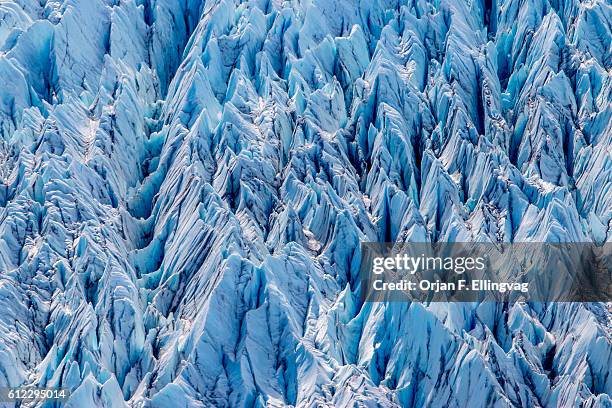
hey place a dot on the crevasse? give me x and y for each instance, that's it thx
(184, 186)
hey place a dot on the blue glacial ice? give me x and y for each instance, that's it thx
(184, 185)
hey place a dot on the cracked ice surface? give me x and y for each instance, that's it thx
(184, 186)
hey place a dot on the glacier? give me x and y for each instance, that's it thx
(185, 184)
